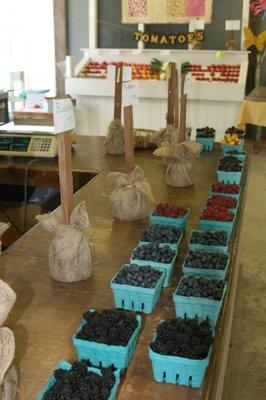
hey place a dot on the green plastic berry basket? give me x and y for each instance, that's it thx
(103, 354)
(177, 222)
(200, 307)
(65, 365)
(178, 370)
(235, 195)
(207, 143)
(229, 177)
(167, 268)
(205, 272)
(217, 248)
(229, 147)
(239, 156)
(136, 298)
(173, 246)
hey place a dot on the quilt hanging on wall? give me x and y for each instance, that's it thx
(165, 11)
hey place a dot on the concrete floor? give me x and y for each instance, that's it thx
(246, 372)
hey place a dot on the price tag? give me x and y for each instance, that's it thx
(130, 93)
(196, 24)
(64, 119)
(232, 25)
(127, 74)
(187, 84)
(165, 53)
(111, 72)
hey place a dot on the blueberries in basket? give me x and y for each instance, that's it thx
(183, 338)
(161, 234)
(209, 238)
(153, 252)
(112, 327)
(230, 164)
(205, 132)
(206, 260)
(200, 287)
(143, 276)
(78, 383)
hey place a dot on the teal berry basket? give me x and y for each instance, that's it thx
(167, 268)
(211, 225)
(207, 143)
(229, 177)
(239, 156)
(104, 355)
(233, 210)
(178, 370)
(65, 365)
(177, 222)
(173, 246)
(235, 195)
(136, 298)
(204, 272)
(218, 248)
(200, 307)
(228, 147)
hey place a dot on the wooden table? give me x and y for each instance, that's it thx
(47, 312)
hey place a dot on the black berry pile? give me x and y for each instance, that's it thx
(153, 252)
(205, 132)
(79, 384)
(143, 276)
(191, 286)
(230, 164)
(161, 234)
(206, 260)
(209, 238)
(112, 327)
(183, 338)
(240, 133)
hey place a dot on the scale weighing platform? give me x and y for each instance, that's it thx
(27, 140)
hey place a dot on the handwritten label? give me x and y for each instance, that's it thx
(64, 119)
(232, 25)
(111, 72)
(130, 93)
(187, 84)
(127, 74)
(196, 24)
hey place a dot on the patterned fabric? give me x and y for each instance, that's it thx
(165, 11)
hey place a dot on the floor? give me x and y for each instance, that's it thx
(246, 372)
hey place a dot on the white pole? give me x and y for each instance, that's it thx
(141, 28)
(93, 24)
(245, 19)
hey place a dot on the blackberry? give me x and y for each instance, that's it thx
(206, 260)
(153, 252)
(161, 234)
(143, 276)
(209, 238)
(200, 287)
(205, 132)
(230, 164)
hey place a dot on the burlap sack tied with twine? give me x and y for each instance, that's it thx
(169, 134)
(3, 228)
(115, 143)
(8, 389)
(70, 256)
(131, 198)
(7, 300)
(7, 351)
(178, 158)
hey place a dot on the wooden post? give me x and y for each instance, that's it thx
(129, 140)
(176, 99)
(183, 110)
(118, 92)
(170, 119)
(65, 175)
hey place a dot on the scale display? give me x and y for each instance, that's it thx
(14, 143)
(28, 145)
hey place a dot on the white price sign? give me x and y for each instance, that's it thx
(130, 93)
(64, 119)
(196, 24)
(232, 25)
(127, 74)
(111, 72)
(187, 84)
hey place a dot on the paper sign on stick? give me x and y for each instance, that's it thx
(232, 25)
(127, 74)
(64, 119)
(111, 72)
(196, 24)
(187, 84)
(130, 93)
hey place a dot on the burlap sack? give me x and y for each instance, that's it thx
(115, 143)
(7, 300)
(131, 198)
(7, 350)
(70, 256)
(3, 228)
(169, 134)
(8, 389)
(178, 159)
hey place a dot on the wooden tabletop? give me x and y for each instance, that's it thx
(47, 312)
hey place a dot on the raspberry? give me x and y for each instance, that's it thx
(169, 210)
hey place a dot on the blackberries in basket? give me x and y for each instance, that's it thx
(230, 188)
(206, 260)
(161, 234)
(230, 164)
(240, 133)
(205, 132)
(183, 338)
(191, 286)
(153, 252)
(135, 275)
(80, 384)
(112, 327)
(209, 238)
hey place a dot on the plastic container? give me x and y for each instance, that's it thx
(200, 307)
(167, 268)
(229, 177)
(211, 225)
(177, 222)
(240, 156)
(67, 366)
(173, 246)
(226, 147)
(136, 298)
(204, 272)
(207, 143)
(194, 246)
(178, 370)
(104, 355)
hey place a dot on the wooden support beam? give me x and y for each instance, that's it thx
(118, 92)
(170, 119)
(176, 98)
(65, 175)
(129, 140)
(183, 111)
